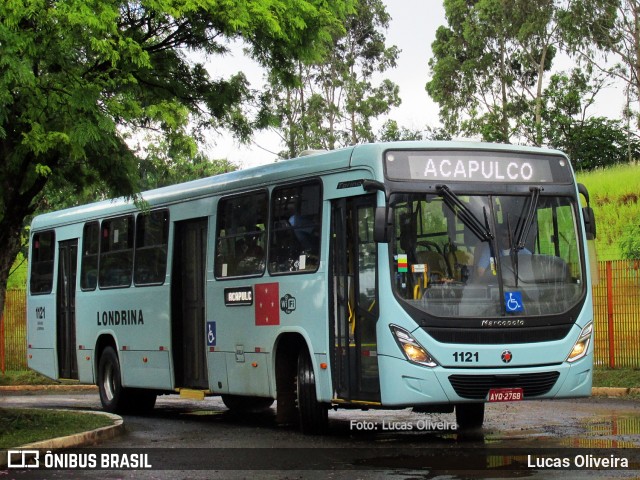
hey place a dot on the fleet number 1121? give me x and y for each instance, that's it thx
(466, 357)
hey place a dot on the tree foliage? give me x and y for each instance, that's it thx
(618, 36)
(590, 142)
(80, 78)
(630, 242)
(491, 61)
(331, 103)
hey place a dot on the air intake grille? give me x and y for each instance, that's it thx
(477, 387)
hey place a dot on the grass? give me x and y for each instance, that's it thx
(616, 203)
(26, 377)
(19, 427)
(622, 377)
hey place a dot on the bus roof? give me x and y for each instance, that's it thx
(367, 156)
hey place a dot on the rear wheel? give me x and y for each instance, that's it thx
(314, 415)
(112, 394)
(114, 397)
(470, 415)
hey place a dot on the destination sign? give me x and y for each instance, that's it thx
(238, 296)
(476, 166)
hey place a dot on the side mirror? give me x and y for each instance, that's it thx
(589, 222)
(382, 226)
(587, 214)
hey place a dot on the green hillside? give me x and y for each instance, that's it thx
(614, 193)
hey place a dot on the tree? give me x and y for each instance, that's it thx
(590, 142)
(618, 35)
(392, 132)
(78, 78)
(330, 104)
(490, 62)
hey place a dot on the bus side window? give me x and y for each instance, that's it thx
(116, 252)
(152, 235)
(241, 235)
(42, 252)
(89, 265)
(296, 213)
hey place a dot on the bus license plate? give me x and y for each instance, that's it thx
(505, 395)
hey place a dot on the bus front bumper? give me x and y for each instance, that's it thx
(406, 384)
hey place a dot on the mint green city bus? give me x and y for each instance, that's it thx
(432, 275)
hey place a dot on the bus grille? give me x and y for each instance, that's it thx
(477, 387)
(477, 336)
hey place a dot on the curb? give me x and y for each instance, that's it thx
(52, 388)
(614, 391)
(77, 439)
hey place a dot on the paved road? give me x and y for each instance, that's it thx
(186, 435)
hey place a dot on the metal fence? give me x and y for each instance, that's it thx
(616, 301)
(13, 332)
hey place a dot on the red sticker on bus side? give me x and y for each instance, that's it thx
(267, 307)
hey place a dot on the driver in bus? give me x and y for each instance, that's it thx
(482, 254)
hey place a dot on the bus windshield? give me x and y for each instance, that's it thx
(486, 255)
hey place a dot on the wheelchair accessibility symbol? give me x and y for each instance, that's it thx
(211, 334)
(513, 302)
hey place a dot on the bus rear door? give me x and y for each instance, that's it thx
(66, 309)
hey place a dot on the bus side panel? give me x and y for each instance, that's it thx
(41, 337)
(249, 374)
(217, 368)
(137, 320)
(146, 369)
(85, 365)
(324, 386)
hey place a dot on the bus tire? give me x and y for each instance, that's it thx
(469, 415)
(112, 393)
(246, 404)
(313, 415)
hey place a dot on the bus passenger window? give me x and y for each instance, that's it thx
(116, 252)
(152, 234)
(296, 225)
(89, 265)
(241, 235)
(42, 251)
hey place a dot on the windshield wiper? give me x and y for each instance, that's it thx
(467, 216)
(523, 232)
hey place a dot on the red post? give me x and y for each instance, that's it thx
(612, 357)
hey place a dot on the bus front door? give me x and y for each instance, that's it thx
(66, 309)
(188, 304)
(354, 300)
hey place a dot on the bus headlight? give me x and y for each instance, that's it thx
(413, 351)
(581, 346)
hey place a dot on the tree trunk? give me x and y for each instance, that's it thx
(538, 107)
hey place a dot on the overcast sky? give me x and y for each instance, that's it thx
(412, 30)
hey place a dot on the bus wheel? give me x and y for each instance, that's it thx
(244, 403)
(469, 415)
(112, 394)
(314, 415)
